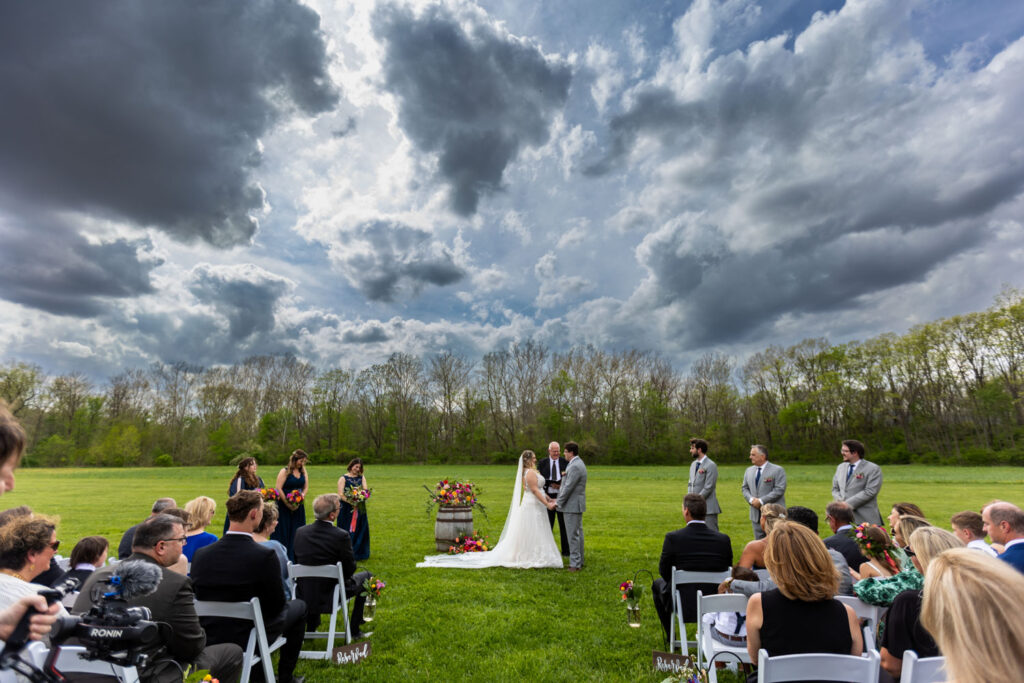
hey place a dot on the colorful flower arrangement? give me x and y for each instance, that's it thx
(475, 543)
(293, 499)
(880, 550)
(356, 496)
(373, 586)
(687, 674)
(270, 494)
(631, 593)
(198, 676)
(454, 494)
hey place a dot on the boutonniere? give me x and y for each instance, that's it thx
(768, 480)
(701, 471)
(858, 476)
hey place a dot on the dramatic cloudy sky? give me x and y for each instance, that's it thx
(204, 181)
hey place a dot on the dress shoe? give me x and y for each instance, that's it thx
(573, 569)
(362, 635)
(298, 679)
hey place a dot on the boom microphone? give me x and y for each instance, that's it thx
(133, 579)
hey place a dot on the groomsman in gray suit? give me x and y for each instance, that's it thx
(572, 502)
(857, 482)
(703, 480)
(763, 482)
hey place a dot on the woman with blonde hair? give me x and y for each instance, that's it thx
(903, 629)
(974, 608)
(800, 615)
(200, 513)
(753, 553)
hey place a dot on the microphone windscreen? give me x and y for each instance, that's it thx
(137, 578)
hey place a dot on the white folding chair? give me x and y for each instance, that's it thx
(927, 670)
(708, 647)
(249, 611)
(71, 661)
(681, 577)
(817, 667)
(339, 603)
(34, 654)
(870, 613)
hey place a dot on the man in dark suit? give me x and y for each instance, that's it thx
(839, 516)
(237, 568)
(552, 468)
(158, 540)
(322, 543)
(1004, 522)
(695, 547)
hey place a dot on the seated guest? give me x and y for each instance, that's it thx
(807, 517)
(730, 628)
(801, 615)
(882, 588)
(839, 516)
(969, 528)
(905, 526)
(27, 545)
(262, 535)
(48, 576)
(753, 553)
(182, 641)
(695, 547)
(236, 569)
(900, 510)
(322, 543)
(124, 548)
(1004, 522)
(973, 607)
(200, 513)
(903, 630)
(88, 555)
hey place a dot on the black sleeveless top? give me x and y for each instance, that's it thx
(793, 627)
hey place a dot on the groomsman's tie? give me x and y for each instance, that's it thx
(849, 472)
(757, 479)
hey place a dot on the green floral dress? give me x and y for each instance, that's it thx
(882, 592)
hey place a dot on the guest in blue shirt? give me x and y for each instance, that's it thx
(1004, 522)
(200, 512)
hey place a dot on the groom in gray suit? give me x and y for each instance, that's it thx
(572, 502)
(858, 482)
(763, 482)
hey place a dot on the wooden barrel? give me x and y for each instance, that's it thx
(452, 522)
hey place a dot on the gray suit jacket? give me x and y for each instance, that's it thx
(572, 497)
(861, 491)
(703, 480)
(771, 488)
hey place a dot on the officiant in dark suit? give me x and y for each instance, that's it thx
(695, 548)
(236, 569)
(323, 543)
(552, 468)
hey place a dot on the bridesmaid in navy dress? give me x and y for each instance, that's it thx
(361, 531)
(245, 479)
(291, 478)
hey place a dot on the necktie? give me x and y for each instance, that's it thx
(849, 472)
(757, 479)
(556, 476)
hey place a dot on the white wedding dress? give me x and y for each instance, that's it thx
(526, 541)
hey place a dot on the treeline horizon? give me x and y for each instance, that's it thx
(947, 391)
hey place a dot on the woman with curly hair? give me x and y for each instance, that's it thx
(27, 544)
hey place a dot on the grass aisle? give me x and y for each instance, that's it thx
(500, 624)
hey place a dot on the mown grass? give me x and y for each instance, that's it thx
(501, 624)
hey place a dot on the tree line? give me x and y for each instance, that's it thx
(946, 391)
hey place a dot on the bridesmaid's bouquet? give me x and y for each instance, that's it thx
(270, 494)
(356, 496)
(293, 499)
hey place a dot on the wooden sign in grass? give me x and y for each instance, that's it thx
(351, 654)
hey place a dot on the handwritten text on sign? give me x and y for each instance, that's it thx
(350, 654)
(665, 661)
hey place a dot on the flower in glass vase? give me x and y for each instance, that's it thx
(630, 593)
(373, 586)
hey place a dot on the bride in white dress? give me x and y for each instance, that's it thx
(526, 541)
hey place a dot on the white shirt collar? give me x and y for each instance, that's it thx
(1015, 541)
(241, 533)
(697, 521)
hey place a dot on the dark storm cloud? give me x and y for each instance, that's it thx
(245, 295)
(473, 97)
(48, 266)
(385, 259)
(369, 333)
(151, 112)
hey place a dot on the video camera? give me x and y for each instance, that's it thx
(110, 631)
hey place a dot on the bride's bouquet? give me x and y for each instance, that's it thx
(454, 494)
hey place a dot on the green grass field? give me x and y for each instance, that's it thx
(500, 624)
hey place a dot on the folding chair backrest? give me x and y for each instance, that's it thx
(70, 661)
(682, 577)
(725, 602)
(927, 670)
(817, 667)
(864, 611)
(257, 649)
(339, 604)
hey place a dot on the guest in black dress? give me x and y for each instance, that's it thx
(245, 479)
(801, 615)
(291, 478)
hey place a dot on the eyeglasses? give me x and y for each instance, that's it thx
(181, 540)
(54, 546)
